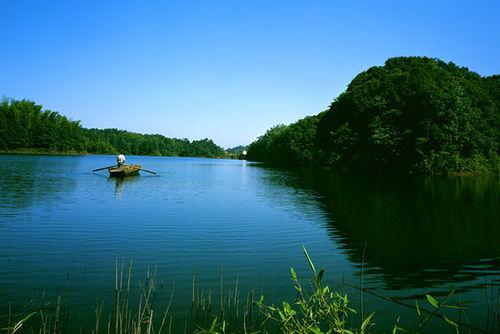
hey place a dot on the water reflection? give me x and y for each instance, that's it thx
(120, 182)
(21, 185)
(418, 231)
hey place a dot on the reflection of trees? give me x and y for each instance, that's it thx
(418, 231)
(26, 180)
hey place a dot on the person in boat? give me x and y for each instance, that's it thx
(120, 160)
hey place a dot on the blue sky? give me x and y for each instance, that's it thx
(226, 70)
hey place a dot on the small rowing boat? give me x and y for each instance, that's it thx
(121, 169)
(124, 170)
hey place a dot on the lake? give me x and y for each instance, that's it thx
(63, 228)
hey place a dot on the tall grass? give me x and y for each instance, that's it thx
(137, 309)
(492, 297)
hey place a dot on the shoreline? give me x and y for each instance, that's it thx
(41, 152)
(56, 153)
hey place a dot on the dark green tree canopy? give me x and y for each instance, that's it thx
(413, 114)
(25, 126)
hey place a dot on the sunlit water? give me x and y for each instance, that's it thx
(62, 228)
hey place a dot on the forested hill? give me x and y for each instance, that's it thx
(414, 114)
(24, 126)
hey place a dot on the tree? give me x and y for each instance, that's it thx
(414, 114)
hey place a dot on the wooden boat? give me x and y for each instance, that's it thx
(124, 170)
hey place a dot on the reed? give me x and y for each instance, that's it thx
(492, 297)
(234, 312)
(137, 309)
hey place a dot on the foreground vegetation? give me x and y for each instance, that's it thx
(26, 127)
(414, 114)
(316, 309)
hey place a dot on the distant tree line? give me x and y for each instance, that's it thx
(237, 152)
(414, 114)
(25, 126)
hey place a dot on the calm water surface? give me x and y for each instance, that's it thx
(62, 225)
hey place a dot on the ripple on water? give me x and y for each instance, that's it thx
(413, 235)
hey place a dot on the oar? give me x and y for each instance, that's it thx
(147, 171)
(142, 169)
(98, 169)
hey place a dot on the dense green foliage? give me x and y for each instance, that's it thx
(25, 126)
(413, 114)
(113, 140)
(293, 144)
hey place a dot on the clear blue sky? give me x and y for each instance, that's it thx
(226, 70)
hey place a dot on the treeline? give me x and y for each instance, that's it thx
(114, 140)
(414, 114)
(25, 126)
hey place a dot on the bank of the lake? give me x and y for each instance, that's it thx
(32, 151)
(76, 153)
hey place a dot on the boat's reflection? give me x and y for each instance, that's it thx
(120, 184)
